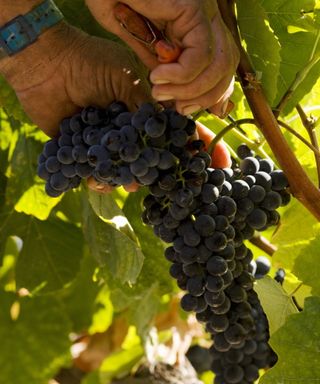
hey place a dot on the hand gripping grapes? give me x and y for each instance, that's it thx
(202, 77)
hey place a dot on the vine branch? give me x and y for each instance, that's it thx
(301, 186)
(313, 148)
(225, 130)
(264, 244)
(310, 123)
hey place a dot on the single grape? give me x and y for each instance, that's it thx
(234, 374)
(214, 299)
(97, 154)
(42, 158)
(263, 267)
(68, 170)
(52, 164)
(188, 303)
(76, 124)
(210, 193)
(64, 155)
(42, 171)
(65, 140)
(249, 166)
(205, 225)
(125, 176)
(124, 118)
(94, 135)
(83, 170)
(59, 182)
(188, 255)
(280, 275)
(214, 283)
(244, 151)
(216, 242)
(279, 180)
(152, 157)
(216, 177)
(114, 109)
(266, 165)
(240, 189)
(51, 148)
(129, 134)
(257, 193)
(77, 138)
(193, 269)
(220, 343)
(139, 167)
(79, 154)
(195, 286)
(263, 179)
(179, 138)
(217, 266)
(257, 219)
(156, 125)
(196, 165)
(150, 177)
(129, 152)
(167, 182)
(93, 115)
(112, 140)
(226, 206)
(50, 191)
(64, 127)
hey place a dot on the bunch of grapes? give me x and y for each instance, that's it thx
(211, 262)
(114, 146)
(204, 214)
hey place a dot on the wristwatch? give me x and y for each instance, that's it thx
(24, 30)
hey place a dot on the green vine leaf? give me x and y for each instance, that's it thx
(298, 71)
(120, 255)
(307, 265)
(34, 336)
(297, 344)
(50, 256)
(277, 304)
(261, 43)
(297, 228)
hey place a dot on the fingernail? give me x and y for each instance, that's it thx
(230, 106)
(191, 109)
(99, 186)
(226, 108)
(160, 81)
(163, 97)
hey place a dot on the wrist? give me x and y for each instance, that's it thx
(33, 65)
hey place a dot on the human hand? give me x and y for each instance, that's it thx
(203, 76)
(66, 70)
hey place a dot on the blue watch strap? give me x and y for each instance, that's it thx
(24, 30)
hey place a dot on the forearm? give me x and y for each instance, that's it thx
(9, 9)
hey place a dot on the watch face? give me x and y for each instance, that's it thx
(24, 30)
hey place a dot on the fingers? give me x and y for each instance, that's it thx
(221, 156)
(205, 101)
(209, 89)
(94, 185)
